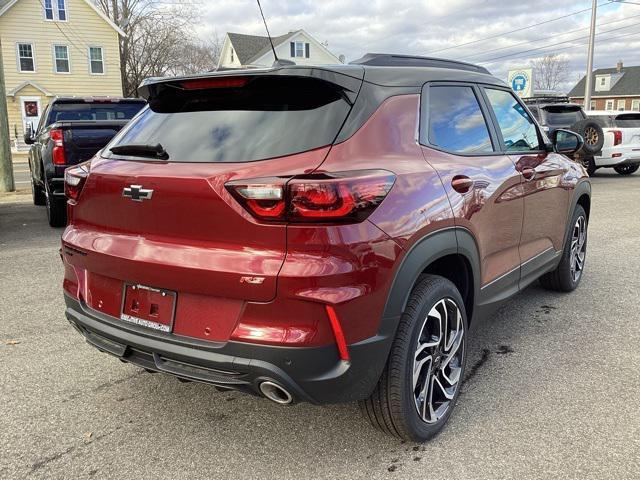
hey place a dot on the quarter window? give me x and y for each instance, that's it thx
(25, 57)
(455, 122)
(61, 54)
(96, 61)
(518, 129)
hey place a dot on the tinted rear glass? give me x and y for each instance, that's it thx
(69, 112)
(269, 117)
(562, 115)
(628, 120)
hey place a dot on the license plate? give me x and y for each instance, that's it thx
(148, 307)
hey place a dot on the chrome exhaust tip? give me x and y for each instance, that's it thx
(276, 393)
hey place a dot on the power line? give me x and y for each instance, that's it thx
(546, 38)
(554, 44)
(517, 29)
(615, 37)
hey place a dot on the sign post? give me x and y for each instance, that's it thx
(6, 167)
(521, 81)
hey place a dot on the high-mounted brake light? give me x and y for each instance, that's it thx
(58, 155)
(219, 82)
(617, 137)
(321, 198)
(74, 180)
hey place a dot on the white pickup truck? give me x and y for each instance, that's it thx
(621, 148)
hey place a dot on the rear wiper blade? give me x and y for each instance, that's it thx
(151, 151)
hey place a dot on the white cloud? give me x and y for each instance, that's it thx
(355, 27)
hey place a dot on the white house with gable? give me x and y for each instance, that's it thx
(240, 50)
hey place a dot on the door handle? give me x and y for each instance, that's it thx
(528, 173)
(461, 183)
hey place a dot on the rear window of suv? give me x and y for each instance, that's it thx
(266, 118)
(562, 115)
(628, 120)
(81, 111)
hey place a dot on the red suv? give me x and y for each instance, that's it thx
(321, 234)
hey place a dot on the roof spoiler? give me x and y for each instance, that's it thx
(393, 60)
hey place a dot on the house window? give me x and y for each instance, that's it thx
(62, 10)
(609, 105)
(48, 9)
(55, 10)
(299, 49)
(621, 105)
(232, 54)
(26, 62)
(96, 61)
(635, 105)
(61, 58)
(592, 105)
(603, 81)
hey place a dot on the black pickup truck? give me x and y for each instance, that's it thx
(71, 130)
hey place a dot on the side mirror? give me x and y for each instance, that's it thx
(28, 135)
(566, 141)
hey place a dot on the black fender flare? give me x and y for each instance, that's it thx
(582, 188)
(424, 252)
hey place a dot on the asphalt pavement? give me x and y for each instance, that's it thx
(552, 388)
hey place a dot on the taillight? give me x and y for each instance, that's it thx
(58, 155)
(321, 198)
(219, 82)
(617, 137)
(74, 180)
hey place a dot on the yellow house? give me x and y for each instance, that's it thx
(54, 48)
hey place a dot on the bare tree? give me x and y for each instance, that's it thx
(160, 39)
(549, 72)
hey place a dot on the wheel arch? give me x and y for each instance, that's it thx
(451, 253)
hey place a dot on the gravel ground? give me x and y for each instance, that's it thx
(552, 389)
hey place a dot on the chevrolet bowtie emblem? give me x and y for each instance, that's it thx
(137, 193)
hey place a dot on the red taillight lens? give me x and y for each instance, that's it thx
(220, 82)
(74, 180)
(321, 198)
(58, 154)
(617, 137)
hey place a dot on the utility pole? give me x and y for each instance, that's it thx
(589, 78)
(6, 167)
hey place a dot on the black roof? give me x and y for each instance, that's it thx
(628, 84)
(410, 74)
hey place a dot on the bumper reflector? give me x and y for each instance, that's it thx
(338, 333)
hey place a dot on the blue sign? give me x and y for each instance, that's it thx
(519, 83)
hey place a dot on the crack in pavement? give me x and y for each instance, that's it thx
(52, 458)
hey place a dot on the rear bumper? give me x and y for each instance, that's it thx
(314, 374)
(629, 155)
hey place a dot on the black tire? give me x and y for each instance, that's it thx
(563, 278)
(592, 134)
(39, 197)
(626, 169)
(56, 211)
(393, 406)
(590, 165)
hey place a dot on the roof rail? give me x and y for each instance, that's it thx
(392, 60)
(546, 99)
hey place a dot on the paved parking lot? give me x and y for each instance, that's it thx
(552, 390)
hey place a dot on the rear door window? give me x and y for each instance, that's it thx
(454, 121)
(265, 118)
(518, 130)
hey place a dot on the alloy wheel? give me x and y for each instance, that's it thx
(438, 360)
(578, 248)
(591, 136)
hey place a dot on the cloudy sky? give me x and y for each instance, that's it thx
(433, 27)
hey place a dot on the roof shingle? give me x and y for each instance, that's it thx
(252, 47)
(629, 84)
